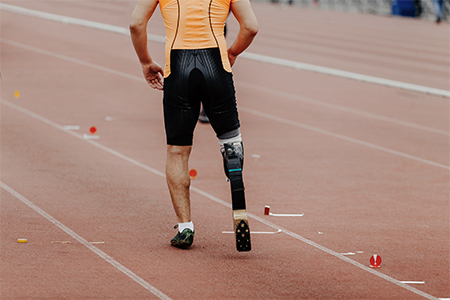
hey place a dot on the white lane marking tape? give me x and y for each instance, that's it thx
(110, 119)
(261, 114)
(224, 203)
(286, 215)
(352, 253)
(258, 232)
(72, 127)
(339, 107)
(81, 240)
(340, 136)
(342, 257)
(253, 56)
(413, 282)
(90, 137)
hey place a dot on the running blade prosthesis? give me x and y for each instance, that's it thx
(233, 164)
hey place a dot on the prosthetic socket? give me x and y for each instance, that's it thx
(233, 161)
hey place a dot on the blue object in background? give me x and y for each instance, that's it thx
(404, 8)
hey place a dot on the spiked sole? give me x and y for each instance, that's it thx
(241, 230)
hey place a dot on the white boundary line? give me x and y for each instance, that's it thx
(88, 245)
(70, 59)
(253, 56)
(248, 110)
(222, 202)
(280, 93)
(345, 74)
(342, 137)
(339, 107)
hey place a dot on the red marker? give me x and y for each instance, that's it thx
(193, 173)
(92, 130)
(375, 261)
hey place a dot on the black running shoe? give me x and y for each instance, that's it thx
(184, 239)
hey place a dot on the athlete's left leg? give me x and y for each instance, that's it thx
(178, 180)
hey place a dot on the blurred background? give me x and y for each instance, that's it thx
(427, 9)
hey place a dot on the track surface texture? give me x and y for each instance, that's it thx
(367, 164)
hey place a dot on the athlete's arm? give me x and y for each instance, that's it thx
(243, 13)
(153, 72)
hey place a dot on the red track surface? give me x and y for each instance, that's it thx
(367, 165)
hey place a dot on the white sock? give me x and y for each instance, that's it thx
(183, 226)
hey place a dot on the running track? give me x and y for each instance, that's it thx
(367, 163)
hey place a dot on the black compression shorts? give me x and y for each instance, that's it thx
(197, 76)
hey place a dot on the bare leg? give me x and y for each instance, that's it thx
(178, 180)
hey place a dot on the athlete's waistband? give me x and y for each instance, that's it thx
(200, 50)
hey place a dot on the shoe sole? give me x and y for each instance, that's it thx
(242, 230)
(181, 246)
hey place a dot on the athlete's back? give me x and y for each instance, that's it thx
(195, 24)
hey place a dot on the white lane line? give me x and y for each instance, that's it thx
(342, 137)
(257, 113)
(88, 245)
(70, 59)
(339, 107)
(284, 94)
(75, 21)
(413, 282)
(81, 137)
(253, 56)
(345, 74)
(222, 202)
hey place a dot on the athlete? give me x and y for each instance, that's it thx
(197, 71)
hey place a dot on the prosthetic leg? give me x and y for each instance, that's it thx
(233, 160)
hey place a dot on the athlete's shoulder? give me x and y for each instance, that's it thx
(163, 3)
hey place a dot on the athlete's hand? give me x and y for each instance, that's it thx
(153, 74)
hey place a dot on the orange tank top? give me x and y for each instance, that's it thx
(195, 24)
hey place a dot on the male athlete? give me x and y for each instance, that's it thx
(197, 71)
